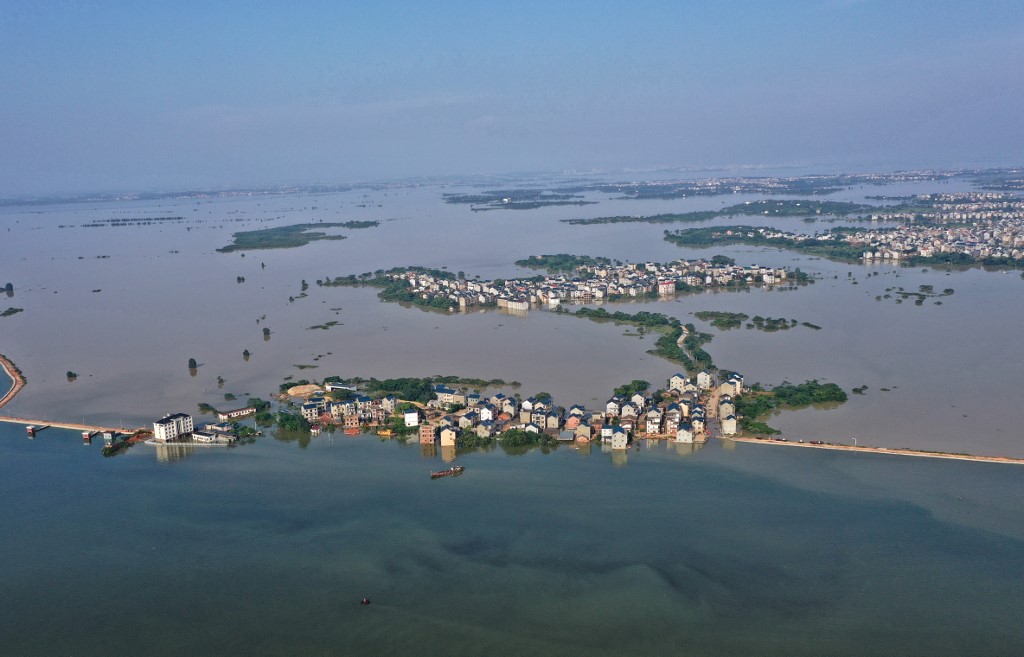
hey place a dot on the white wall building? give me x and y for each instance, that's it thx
(172, 426)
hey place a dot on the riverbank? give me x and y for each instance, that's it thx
(17, 380)
(883, 450)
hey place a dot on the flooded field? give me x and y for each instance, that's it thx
(125, 307)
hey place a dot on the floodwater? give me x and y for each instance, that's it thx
(942, 377)
(267, 549)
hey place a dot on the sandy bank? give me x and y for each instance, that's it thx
(16, 377)
(883, 450)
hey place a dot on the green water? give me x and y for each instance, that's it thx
(267, 549)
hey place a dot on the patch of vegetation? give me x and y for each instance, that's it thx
(689, 354)
(289, 421)
(800, 208)
(11, 311)
(771, 324)
(516, 199)
(631, 388)
(753, 405)
(281, 237)
(721, 319)
(562, 262)
(323, 327)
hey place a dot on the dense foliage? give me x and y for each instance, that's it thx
(722, 319)
(407, 388)
(291, 421)
(631, 388)
(642, 318)
(561, 262)
(753, 405)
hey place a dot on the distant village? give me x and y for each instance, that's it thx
(688, 410)
(975, 225)
(600, 281)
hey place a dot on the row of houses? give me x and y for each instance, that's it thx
(588, 283)
(679, 416)
(978, 225)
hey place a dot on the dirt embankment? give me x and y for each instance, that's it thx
(16, 377)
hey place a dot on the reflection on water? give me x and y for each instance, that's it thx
(715, 557)
(165, 453)
(687, 449)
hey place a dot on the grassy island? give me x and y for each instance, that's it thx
(515, 199)
(561, 262)
(287, 237)
(756, 403)
(721, 319)
(769, 208)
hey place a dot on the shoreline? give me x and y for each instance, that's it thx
(17, 380)
(890, 451)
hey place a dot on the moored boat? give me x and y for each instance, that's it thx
(453, 471)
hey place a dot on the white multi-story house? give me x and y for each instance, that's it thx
(171, 426)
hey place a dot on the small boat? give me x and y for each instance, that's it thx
(453, 471)
(384, 433)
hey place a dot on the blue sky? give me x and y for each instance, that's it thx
(139, 95)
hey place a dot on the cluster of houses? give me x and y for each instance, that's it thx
(979, 225)
(680, 415)
(589, 283)
(992, 233)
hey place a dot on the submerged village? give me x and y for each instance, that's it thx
(449, 415)
(688, 411)
(454, 415)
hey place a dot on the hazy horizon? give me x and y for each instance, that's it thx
(118, 96)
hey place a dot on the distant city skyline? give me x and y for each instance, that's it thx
(118, 96)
